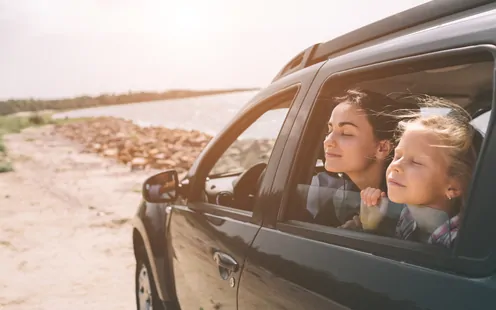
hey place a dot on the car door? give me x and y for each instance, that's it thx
(209, 232)
(294, 264)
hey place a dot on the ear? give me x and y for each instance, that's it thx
(384, 147)
(453, 190)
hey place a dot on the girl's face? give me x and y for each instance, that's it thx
(418, 174)
(350, 146)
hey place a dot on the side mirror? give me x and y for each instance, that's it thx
(162, 187)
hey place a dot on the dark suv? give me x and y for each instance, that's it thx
(232, 232)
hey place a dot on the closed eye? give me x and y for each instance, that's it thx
(328, 132)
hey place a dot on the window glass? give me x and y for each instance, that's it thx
(254, 145)
(373, 178)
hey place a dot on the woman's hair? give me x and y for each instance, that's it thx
(381, 111)
(451, 124)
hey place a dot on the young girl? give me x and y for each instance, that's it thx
(429, 176)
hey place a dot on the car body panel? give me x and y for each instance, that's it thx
(195, 237)
(149, 226)
(309, 274)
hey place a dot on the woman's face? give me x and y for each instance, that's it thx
(350, 145)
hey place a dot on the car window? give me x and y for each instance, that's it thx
(481, 122)
(327, 196)
(332, 199)
(254, 145)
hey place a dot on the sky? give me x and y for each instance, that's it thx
(65, 48)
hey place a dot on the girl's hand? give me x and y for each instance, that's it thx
(373, 208)
(371, 196)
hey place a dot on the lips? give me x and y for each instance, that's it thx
(332, 155)
(393, 182)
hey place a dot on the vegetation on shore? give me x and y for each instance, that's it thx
(23, 105)
(14, 124)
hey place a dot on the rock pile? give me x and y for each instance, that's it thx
(138, 147)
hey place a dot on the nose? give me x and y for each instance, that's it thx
(329, 140)
(396, 165)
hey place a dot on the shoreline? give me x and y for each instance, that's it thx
(15, 106)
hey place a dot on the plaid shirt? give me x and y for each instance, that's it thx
(443, 235)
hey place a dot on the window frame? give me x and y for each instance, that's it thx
(419, 254)
(247, 116)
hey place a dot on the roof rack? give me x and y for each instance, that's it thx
(423, 13)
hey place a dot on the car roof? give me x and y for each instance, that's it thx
(418, 15)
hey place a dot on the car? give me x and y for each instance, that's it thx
(230, 234)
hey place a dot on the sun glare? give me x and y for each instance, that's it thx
(186, 21)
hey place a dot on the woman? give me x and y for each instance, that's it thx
(358, 147)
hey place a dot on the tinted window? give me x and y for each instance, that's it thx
(328, 196)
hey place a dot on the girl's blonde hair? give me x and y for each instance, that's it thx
(454, 131)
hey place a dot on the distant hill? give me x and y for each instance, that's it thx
(22, 105)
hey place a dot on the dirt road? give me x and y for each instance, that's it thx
(65, 237)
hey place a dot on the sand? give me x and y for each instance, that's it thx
(65, 235)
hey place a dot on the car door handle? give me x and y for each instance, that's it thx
(225, 261)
